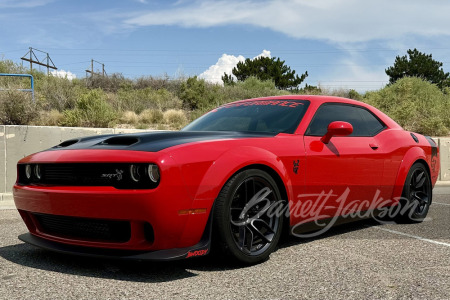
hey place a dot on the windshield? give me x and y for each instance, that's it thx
(272, 116)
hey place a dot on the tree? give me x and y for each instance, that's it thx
(418, 64)
(266, 68)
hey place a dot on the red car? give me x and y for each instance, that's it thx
(234, 178)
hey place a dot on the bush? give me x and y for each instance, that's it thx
(175, 118)
(198, 94)
(151, 116)
(111, 83)
(49, 118)
(58, 93)
(16, 108)
(129, 117)
(415, 104)
(252, 87)
(148, 98)
(91, 110)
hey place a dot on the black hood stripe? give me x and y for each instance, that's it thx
(154, 141)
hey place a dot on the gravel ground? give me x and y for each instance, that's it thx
(359, 260)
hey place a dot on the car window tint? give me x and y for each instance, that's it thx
(364, 122)
(373, 124)
(274, 116)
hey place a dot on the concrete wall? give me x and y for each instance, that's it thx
(17, 142)
(444, 148)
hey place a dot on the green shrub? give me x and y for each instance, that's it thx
(49, 118)
(58, 93)
(148, 98)
(16, 108)
(415, 104)
(91, 110)
(111, 83)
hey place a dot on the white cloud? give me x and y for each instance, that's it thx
(64, 74)
(340, 21)
(225, 64)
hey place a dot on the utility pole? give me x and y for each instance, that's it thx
(31, 57)
(92, 72)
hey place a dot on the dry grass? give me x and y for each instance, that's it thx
(151, 116)
(129, 117)
(175, 118)
(50, 118)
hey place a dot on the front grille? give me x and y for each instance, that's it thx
(84, 174)
(84, 228)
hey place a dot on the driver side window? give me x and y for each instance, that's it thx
(364, 122)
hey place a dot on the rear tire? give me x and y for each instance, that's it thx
(416, 196)
(245, 224)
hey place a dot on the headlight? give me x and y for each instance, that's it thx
(153, 173)
(37, 172)
(135, 173)
(28, 171)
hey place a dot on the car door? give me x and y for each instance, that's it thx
(347, 171)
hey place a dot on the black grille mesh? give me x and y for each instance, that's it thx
(84, 228)
(86, 174)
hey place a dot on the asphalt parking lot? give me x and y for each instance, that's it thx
(363, 260)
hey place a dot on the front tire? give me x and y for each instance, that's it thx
(416, 196)
(246, 221)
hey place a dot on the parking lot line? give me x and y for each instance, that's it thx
(413, 236)
(446, 204)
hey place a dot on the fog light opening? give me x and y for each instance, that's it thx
(148, 232)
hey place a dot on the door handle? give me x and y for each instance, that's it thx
(374, 146)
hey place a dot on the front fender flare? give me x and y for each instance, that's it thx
(234, 160)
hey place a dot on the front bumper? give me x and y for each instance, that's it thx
(157, 209)
(200, 249)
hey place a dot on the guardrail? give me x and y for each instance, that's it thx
(23, 90)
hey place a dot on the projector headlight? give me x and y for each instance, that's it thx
(153, 173)
(28, 171)
(135, 172)
(37, 172)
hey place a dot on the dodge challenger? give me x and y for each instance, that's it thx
(231, 181)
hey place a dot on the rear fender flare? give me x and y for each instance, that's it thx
(411, 156)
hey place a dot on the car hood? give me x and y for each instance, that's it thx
(152, 141)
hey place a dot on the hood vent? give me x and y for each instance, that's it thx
(67, 143)
(120, 141)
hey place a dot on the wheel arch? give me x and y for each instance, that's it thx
(280, 185)
(242, 158)
(412, 156)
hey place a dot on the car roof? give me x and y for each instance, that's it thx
(312, 98)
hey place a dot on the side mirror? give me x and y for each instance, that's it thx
(338, 128)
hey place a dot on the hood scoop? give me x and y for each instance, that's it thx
(67, 143)
(120, 141)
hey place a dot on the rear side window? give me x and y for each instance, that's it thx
(363, 121)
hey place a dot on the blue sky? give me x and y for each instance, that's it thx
(341, 43)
